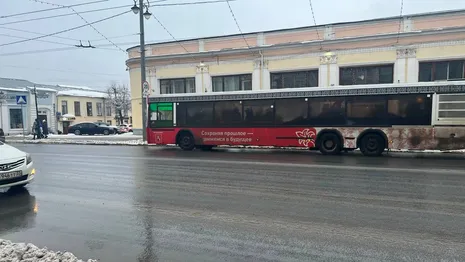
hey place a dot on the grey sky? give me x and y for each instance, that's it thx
(97, 68)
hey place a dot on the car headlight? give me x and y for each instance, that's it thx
(28, 159)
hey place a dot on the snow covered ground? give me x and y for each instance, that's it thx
(123, 139)
(22, 252)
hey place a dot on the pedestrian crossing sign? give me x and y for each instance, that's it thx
(21, 100)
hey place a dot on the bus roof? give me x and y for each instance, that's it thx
(354, 90)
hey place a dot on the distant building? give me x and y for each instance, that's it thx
(412, 48)
(59, 105)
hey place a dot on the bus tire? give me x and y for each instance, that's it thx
(186, 141)
(330, 144)
(372, 144)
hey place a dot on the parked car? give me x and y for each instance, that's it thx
(90, 129)
(123, 128)
(16, 167)
(130, 128)
(2, 136)
(115, 128)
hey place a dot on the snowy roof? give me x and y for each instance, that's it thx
(14, 83)
(82, 93)
(13, 89)
(43, 89)
(76, 87)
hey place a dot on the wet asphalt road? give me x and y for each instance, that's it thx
(152, 204)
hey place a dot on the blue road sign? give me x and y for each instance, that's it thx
(21, 100)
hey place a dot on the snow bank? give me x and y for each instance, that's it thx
(83, 93)
(21, 252)
(136, 142)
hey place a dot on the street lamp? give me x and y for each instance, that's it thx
(138, 10)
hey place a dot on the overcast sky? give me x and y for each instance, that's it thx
(98, 67)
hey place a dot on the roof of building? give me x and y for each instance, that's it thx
(15, 83)
(82, 93)
(446, 12)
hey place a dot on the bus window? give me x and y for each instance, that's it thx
(199, 114)
(366, 111)
(327, 111)
(259, 112)
(228, 113)
(161, 115)
(291, 112)
(409, 109)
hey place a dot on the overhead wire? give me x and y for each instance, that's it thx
(60, 70)
(237, 24)
(316, 26)
(85, 20)
(66, 30)
(39, 40)
(172, 36)
(400, 20)
(52, 9)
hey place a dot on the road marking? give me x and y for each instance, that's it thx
(310, 166)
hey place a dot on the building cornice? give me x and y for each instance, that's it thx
(327, 43)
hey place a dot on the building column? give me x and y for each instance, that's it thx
(328, 72)
(261, 76)
(406, 66)
(203, 80)
(153, 81)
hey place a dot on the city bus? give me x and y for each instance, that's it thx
(371, 118)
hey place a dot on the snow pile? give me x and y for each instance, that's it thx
(21, 252)
(136, 142)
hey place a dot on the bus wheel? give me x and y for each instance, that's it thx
(186, 141)
(330, 144)
(372, 145)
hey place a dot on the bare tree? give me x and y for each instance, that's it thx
(119, 97)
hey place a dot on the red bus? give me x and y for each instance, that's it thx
(416, 116)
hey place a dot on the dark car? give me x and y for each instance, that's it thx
(90, 129)
(2, 136)
(115, 129)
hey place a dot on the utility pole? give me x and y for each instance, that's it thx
(140, 10)
(35, 100)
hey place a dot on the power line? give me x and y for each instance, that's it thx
(314, 21)
(52, 9)
(45, 41)
(174, 38)
(66, 30)
(400, 19)
(32, 32)
(87, 22)
(51, 50)
(234, 17)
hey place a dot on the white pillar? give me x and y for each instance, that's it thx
(153, 81)
(203, 80)
(261, 76)
(328, 71)
(406, 66)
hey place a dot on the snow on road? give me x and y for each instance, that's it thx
(22, 252)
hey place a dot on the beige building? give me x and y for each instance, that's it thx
(75, 106)
(422, 47)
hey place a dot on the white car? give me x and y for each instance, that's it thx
(16, 167)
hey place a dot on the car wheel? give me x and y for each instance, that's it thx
(77, 132)
(106, 132)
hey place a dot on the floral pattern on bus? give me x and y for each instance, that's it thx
(306, 137)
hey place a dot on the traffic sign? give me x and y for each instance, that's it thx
(21, 100)
(146, 88)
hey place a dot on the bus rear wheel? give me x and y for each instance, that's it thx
(186, 141)
(330, 144)
(372, 145)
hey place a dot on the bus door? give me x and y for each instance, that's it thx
(161, 116)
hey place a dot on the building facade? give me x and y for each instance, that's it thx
(75, 106)
(422, 47)
(14, 117)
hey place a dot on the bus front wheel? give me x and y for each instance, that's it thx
(186, 141)
(330, 144)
